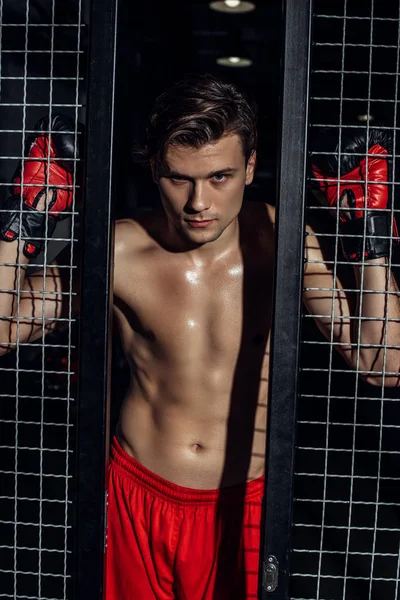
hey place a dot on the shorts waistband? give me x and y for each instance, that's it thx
(121, 461)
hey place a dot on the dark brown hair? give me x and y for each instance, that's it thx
(198, 110)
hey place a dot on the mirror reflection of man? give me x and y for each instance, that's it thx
(193, 302)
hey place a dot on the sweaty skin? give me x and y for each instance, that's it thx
(193, 305)
(192, 296)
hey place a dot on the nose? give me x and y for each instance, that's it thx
(198, 200)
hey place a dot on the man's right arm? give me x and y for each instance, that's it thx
(42, 193)
(29, 306)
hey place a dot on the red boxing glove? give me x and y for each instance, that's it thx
(46, 175)
(361, 191)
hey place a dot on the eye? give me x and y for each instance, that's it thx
(177, 180)
(220, 177)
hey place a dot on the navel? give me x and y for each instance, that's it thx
(196, 448)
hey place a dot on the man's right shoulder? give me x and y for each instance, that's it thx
(134, 236)
(134, 245)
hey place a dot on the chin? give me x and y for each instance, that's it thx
(201, 237)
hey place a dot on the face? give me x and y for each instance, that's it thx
(202, 189)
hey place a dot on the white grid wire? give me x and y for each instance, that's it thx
(41, 73)
(346, 530)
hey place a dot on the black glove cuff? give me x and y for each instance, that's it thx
(377, 228)
(31, 223)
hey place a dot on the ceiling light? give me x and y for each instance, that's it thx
(233, 6)
(365, 117)
(234, 61)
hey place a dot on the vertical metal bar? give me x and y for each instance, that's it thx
(70, 277)
(336, 243)
(274, 561)
(96, 295)
(18, 284)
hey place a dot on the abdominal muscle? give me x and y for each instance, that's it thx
(179, 430)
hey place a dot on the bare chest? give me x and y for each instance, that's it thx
(191, 315)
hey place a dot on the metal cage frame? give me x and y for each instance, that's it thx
(285, 342)
(96, 301)
(96, 298)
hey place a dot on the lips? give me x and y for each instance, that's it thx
(200, 224)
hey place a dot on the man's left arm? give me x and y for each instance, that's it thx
(360, 317)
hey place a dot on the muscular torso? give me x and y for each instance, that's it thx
(196, 335)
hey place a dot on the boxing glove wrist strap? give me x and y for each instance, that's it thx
(376, 227)
(30, 222)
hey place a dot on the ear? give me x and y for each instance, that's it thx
(251, 167)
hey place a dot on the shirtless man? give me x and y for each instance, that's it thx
(192, 298)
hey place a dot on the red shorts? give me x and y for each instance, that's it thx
(168, 542)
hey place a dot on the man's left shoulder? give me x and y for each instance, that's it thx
(256, 210)
(259, 216)
(259, 227)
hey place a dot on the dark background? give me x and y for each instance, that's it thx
(158, 42)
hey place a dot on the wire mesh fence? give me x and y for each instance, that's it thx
(346, 530)
(43, 53)
(346, 541)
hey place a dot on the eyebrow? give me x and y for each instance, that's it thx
(227, 171)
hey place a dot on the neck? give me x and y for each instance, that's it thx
(209, 251)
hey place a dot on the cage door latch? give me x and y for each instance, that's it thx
(270, 574)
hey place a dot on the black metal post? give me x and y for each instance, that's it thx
(96, 296)
(275, 546)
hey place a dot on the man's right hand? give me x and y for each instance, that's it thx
(43, 185)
